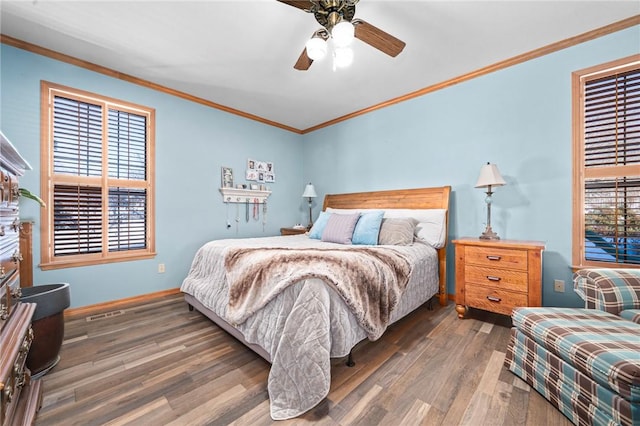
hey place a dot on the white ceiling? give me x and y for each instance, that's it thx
(240, 54)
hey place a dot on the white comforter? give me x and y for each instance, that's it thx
(305, 325)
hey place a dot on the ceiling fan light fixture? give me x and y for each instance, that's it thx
(316, 48)
(343, 33)
(342, 57)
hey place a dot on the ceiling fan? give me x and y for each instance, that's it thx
(338, 23)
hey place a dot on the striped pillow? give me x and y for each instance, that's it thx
(340, 228)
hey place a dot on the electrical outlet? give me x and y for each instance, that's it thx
(558, 286)
(161, 268)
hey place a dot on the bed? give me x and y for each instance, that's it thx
(308, 306)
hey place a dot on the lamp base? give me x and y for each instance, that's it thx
(488, 234)
(310, 217)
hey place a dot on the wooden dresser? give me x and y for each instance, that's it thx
(497, 275)
(20, 397)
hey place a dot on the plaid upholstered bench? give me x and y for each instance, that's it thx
(586, 362)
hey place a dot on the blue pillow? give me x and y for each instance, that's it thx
(318, 227)
(368, 228)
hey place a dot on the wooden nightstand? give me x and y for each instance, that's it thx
(292, 231)
(497, 275)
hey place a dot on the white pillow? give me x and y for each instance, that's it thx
(431, 222)
(347, 211)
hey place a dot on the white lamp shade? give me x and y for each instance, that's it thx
(343, 33)
(490, 175)
(342, 57)
(309, 191)
(316, 48)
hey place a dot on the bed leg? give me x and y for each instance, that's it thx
(350, 362)
(190, 307)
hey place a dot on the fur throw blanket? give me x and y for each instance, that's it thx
(371, 280)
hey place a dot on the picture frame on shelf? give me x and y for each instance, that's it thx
(227, 177)
(251, 175)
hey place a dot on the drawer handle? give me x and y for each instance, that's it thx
(16, 225)
(16, 256)
(494, 299)
(16, 293)
(494, 257)
(26, 344)
(492, 278)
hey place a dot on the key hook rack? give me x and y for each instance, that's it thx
(237, 195)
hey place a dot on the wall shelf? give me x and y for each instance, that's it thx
(236, 195)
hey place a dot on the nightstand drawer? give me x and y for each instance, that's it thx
(494, 257)
(494, 300)
(493, 277)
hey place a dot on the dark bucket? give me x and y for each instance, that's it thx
(47, 324)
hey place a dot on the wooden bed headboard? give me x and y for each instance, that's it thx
(418, 198)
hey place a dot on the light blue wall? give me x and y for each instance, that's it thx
(192, 143)
(518, 118)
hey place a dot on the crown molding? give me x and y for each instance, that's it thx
(545, 50)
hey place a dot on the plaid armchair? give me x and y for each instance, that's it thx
(585, 361)
(616, 291)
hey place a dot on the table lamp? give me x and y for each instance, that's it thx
(310, 193)
(489, 176)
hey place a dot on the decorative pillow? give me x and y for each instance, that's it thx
(368, 228)
(431, 226)
(340, 228)
(432, 223)
(397, 231)
(318, 227)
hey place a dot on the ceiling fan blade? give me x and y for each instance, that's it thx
(304, 62)
(377, 38)
(300, 4)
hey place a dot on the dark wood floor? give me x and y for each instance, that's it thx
(157, 363)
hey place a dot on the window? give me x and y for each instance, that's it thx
(606, 218)
(97, 179)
